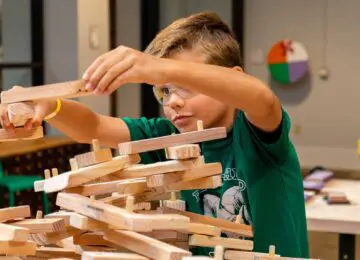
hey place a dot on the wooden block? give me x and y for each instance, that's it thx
(175, 204)
(55, 252)
(91, 158)
(78, 221)
(203, 229)
(20, 113)
(42, 225)
(336, 198)
(119, 217)
(84, 175)
(144, 245)
(92, 239)
(53, 237)
(120, 200)
(111, 256)
(206, 241)
(21, 134)
(183, 152)
(140, 171)
(181, 177)
(224, 225)
(234, 255)
(152, 144)
(68, 89)
(121, 186)
(39, 186)
(167, 235)
(9, 232)
(211, 182)
(17, 248)
(11, 213)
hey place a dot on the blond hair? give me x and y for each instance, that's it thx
(205, 31)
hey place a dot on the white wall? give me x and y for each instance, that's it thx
(324, 110)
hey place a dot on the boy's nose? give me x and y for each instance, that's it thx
(175, 101)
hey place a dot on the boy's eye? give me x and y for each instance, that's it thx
(165, 91)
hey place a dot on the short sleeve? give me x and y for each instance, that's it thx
(254, 144)
(143, 128)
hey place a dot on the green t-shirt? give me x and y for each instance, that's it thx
(262, 183)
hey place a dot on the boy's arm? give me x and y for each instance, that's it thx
(231, 86)
(82, 124)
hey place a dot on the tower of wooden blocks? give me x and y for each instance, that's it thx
(116, 208)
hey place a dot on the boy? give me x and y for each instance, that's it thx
(193, 65)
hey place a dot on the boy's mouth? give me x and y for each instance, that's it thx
(181, 119)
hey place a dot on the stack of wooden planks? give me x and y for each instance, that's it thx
(113, 207)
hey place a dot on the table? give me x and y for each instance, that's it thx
(342, 219)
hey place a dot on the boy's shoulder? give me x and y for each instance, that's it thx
(143, 128)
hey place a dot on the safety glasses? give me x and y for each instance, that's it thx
(163, 94)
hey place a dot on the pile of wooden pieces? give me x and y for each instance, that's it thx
(314, 184)
(20, 105)
(116, 208)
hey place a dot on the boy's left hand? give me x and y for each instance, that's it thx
(120, 66)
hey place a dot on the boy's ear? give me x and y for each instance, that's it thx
(238, 68)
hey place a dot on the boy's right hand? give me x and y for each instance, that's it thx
(41, 110)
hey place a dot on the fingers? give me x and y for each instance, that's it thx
(115, 76)
(39, 115)
(4, 119)
(101, 67)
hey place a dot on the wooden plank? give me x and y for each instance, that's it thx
(53, 237)
(152, 144)
(19, 113)
(111, 256)
(235, 254)
(168, 179)
(42, 225)
(167, 235)
(120, 200)
(11, 213)
(55, 252)
(211, 182)
(119, 217)
(21, 134)
(120, 186)
(183, 152)
(140, 171)
(206, 241)
(91, 239)
(84, 175)
(224, 225)
(78, 221)
(17, 248)
(91, 158)
(68, 89)
(144, 245)
(204, 229)
(13, 233)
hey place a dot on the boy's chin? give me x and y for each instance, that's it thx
(185, 129)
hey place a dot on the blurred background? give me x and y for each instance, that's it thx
(49, 41)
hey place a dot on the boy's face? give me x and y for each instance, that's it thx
(184, 108)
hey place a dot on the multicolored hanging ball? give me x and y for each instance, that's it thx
(288, 61)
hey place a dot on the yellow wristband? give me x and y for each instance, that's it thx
(53, 114)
